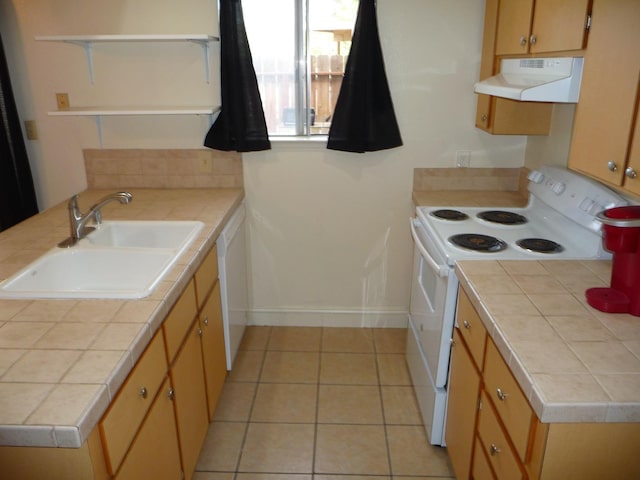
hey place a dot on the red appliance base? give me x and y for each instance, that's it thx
(608, 300)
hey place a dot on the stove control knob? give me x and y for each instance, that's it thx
(536, 176)
(595, 209)
(558, 188)
(586, 204)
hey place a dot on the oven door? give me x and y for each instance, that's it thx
(433, 300)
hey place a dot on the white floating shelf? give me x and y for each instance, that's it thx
(99, 112)
(86, 42)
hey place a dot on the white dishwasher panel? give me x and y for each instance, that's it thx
(232, 266)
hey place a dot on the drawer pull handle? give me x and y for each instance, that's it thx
(493, 450)
(144, 392)
(171, 394)
(205, 320)
(466, 324)
(501, 395)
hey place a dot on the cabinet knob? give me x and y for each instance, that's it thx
(611, 165)
(493, 450)
(171, 394)
(501, 395)
(144, 392)
(523, 40)
(199, 332)
(466, 324)
(205, 320)
(533, 39)
(630, 173)
(484, 117)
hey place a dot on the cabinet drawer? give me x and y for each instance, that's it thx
(471, 328)
(179, 320)
(480, 470)
(495, 444)
(120, 423)
(206, 275)
(511, 404)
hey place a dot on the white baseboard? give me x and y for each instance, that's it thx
(292, 317)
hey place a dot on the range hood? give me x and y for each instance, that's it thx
(536, 80)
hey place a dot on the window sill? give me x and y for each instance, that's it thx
(315, 139)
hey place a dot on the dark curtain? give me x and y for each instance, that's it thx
(364, 119)
(240, 126)
(17, 195)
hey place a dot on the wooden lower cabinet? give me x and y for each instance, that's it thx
(464, 388)
(213, 349)
(187, 379)
(155, 452)
(503, 439)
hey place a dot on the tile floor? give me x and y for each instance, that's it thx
(305, 402)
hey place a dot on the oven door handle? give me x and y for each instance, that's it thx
(442, 271)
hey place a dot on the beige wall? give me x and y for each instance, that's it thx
(125, 74)
(552, 149)
(329, 239)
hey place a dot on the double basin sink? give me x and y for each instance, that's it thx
(119, 259)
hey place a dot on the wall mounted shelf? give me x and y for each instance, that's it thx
(87, 41)
(99, 112)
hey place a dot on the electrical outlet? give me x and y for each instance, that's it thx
(32, 131)
(205, 165)
(463, 158)
(62, 99)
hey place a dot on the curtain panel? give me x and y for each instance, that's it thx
(17, 194)
(364, 119)
(240, 126)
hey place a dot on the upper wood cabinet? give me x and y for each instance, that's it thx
(541, 26)
(606, 143)
(501, 116)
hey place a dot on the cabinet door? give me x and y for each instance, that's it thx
(464, 388)
(187, 378)
(503, 460)
(155, 452)
(632, 179)
(481, 470)
(514, 26)
(559, 25)
(213, 353)
(605, 111)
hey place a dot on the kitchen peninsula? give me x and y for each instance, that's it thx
(62, 362)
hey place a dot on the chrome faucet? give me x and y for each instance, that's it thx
(78, 221)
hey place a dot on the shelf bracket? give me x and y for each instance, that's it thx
(205, 47)
(88, 49)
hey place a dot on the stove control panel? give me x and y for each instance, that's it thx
(573, 194)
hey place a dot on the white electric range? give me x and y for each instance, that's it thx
(559, 222)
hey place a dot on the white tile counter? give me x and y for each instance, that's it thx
(573, 362)
(62, 361)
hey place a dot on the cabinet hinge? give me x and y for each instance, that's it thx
(588, 25)
(479, 404)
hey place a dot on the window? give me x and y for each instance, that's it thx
(299, 50)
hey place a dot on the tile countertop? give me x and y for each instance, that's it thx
(62, 361)
(573, 362)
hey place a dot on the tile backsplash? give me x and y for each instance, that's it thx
(142, 168)
(499, 179)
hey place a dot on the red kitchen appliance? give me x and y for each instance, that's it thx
(621, 237)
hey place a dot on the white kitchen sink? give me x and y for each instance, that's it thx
(117, 260)
(144, 234)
